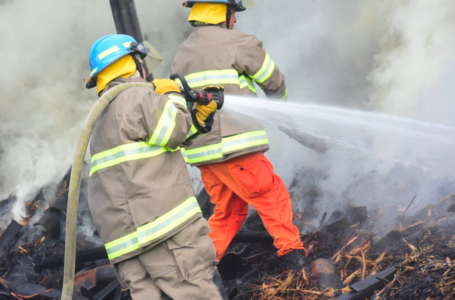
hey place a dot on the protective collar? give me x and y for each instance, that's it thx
(211, 13)
(124, 67)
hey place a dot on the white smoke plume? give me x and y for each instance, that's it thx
(44, 54)
(393, 56)
(396, 56)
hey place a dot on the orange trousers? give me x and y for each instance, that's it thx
(249, 179)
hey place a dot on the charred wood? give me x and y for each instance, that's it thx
(232, 265)
(9, 237)
(366, 288)
(392, 239)
(108, 290)
(56, 261)
(29, 290)
(207, 207)
(357, 214)
(262, 237)
(305, 139)
(323, 272)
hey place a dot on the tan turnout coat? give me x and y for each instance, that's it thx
(214, 55)
(135, 186)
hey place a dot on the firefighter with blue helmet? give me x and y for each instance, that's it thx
(140, 194)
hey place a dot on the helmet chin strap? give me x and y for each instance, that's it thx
(139, 66)
(228, 17)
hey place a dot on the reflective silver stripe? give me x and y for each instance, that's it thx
(246, 81)
(228, 145)
(212, 77)
(185, 157)
(243, 141)
(177, 99)
(167, 123)
(123, 153)
(266, 71)
(193, 130)
(210, 152)
(165, 223)
(122, 246)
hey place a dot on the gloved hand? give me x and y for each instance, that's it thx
(213, 88)
(205, 113)
(163, 86)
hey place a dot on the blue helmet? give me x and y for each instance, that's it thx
(110, 48)
(240, 5)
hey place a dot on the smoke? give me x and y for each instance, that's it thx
(369, 159)
(394, 56)
(43, 101)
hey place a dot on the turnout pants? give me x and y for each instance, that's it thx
(182, 267)
(249, 179)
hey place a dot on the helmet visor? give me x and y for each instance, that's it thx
(149, 55)
(248, 4)
(152, 60)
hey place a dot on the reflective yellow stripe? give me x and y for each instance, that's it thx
(177, 99)
(266, 70)
(193, 130)
(245, 81)
(165, 126)
(229, 76)
(169, 221)
(127, 45)
(185, 157)
(204, 153)
(128, 152)
(228, 145)
(107, 52)
(154, 230)
(285, 97)
(94, 70)
(245, 140)
(122, 246)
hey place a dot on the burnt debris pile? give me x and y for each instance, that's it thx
(412, 260)
(354, 253)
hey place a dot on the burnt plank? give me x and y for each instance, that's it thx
(9, 237)
(313, 142)
(366, 288)
(55, 261)
(390, 240)
(107, 290)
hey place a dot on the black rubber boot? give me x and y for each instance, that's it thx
(219, 284)
(294, 260)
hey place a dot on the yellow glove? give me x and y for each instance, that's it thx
(213, 87)
(204, 111)
(163, 86)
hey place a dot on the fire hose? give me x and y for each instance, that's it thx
(76, 171)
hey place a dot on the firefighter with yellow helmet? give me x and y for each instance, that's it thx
(234, 169)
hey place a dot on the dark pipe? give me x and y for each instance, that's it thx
(117, 17)
(123, 9)
(130, 20)
(127, 22)
(137, 33)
